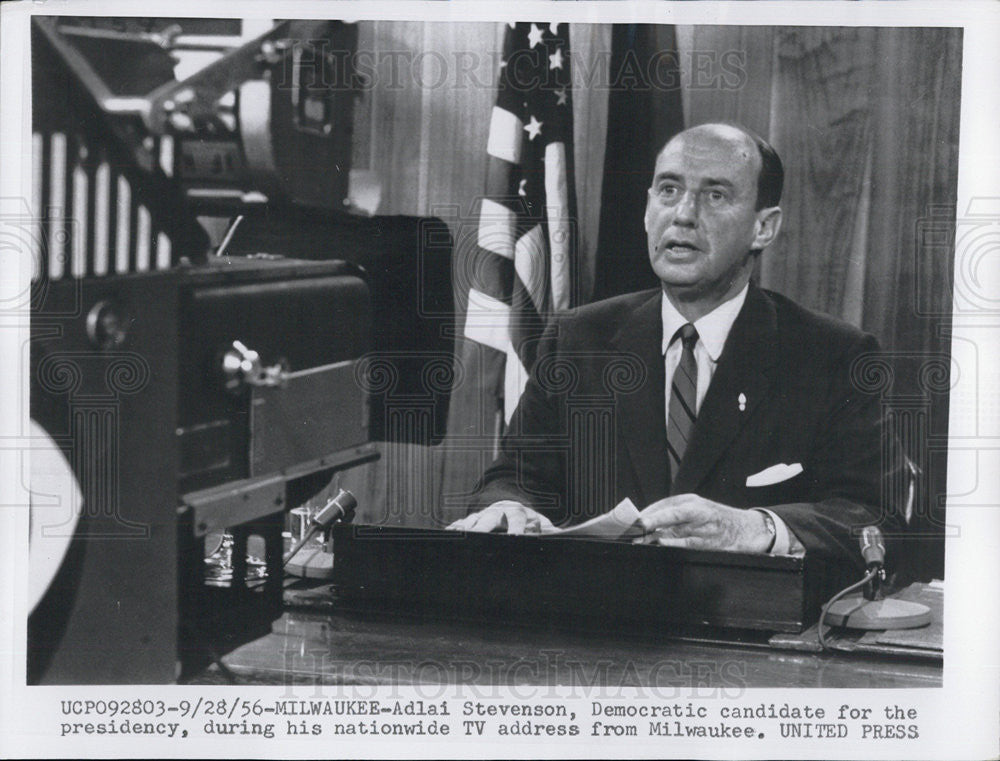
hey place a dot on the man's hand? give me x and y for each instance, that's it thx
(509, 516)
(687, 520)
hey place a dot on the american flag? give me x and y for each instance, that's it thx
(520, 269)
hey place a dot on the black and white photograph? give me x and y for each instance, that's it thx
(537, 379)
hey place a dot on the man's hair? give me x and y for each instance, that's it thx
(771, 179)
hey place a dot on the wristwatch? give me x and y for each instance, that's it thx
(769, 525)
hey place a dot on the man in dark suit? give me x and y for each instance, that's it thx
(762, 441)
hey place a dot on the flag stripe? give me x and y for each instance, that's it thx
(529, 264)
(515, 379)
(506, 133)
(557, 208)
(487, 321)
(489, 273)
(496, 228)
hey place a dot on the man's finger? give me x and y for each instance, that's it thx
(654, 536)
(691, 542)
(491, 520)
(679, 530)
(659, 508)
(545, 526)
(516, 521)
(538, 523)
(676, 541)
(672, 541)
(665, 538)
(482, 522)
(669, 515)
(462, 524)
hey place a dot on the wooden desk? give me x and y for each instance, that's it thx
(339, 646)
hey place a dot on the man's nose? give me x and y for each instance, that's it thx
(686, 209)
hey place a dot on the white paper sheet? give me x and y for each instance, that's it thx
(619, 523)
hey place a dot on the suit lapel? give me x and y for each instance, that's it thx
(642, 414)
(743, 368)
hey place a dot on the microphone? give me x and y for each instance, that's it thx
(339, 508)
(872, 547)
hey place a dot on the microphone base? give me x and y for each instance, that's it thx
(855, 612)
(311, 563)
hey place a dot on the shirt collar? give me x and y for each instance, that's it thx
(713, 328)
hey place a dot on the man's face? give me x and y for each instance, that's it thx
(700, 219)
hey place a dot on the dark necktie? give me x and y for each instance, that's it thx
(683, 396)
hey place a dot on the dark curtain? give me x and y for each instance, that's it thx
(866, 121)
(642, 116)
(911, 238)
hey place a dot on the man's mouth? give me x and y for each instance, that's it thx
(680, 247)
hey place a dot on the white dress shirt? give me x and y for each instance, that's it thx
(713, 330)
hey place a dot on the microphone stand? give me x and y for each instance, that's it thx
(870, 610)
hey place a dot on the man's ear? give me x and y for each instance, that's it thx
(767, 227)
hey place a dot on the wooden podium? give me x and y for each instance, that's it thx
(548, 580)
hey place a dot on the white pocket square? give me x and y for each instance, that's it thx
(775, 474)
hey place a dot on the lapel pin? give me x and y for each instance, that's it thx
(742, 401)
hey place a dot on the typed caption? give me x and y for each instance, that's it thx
(249, 716)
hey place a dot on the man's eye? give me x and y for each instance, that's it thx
(667, 191)
(716, 196)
